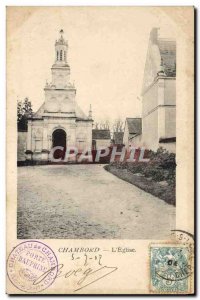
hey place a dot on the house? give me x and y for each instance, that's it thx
(159, 94)
(118, 138)
(59, 122)
(132, 132)
(101, 138)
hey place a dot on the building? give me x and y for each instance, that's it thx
(101, 138)
(59, 121)
(132, 131)
(118, 138)
(159, 94)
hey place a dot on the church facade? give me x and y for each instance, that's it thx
(59, 121)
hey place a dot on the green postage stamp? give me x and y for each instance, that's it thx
(170, 269)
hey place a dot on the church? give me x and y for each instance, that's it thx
(59, 121)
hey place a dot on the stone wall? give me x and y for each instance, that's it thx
(83, 135)
(21, 146)
(150, 130)
(126, 136)
(136, 141)
(159, 114)
(102, 143)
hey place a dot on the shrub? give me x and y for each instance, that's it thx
(162, 166)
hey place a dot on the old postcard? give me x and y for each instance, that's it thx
(100, 150)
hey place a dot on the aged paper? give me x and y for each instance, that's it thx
(100, 150)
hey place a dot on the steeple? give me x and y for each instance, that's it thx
(60, 69)
(61, 48)
(90, 112)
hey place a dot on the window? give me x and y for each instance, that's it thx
(57, 55)
(60, 54)
(65, 55)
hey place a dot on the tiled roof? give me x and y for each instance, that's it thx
(118, 137)
(134, 125)
(167, 50)
(100, 134)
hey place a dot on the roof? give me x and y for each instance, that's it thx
(78, 113)
(134, 125)
(38, 113)
(167, 50)
(118, 137)
(100, 134)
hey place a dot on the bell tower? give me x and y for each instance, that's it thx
(59, 121)
(61, 48)
(60, 69)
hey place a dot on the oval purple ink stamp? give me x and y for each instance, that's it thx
(32, 266)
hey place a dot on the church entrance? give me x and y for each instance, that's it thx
(59, 139)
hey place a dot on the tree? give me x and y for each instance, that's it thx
(96, 125)
(102, 125)
(19, 111)
(24, 110)
(105, 125)
(118, 125)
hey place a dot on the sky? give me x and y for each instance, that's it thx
(107, 52)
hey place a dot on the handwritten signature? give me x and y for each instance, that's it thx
(87, 275)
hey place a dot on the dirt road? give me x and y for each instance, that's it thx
(85, 201)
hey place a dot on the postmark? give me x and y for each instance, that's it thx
(27, 262)
(170, 268)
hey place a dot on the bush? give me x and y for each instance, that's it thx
(161, 167)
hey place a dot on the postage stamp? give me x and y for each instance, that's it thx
(27, 264)
(170, 269)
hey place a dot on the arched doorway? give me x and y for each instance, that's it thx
(59, 138)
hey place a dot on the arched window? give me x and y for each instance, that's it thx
(60, 54)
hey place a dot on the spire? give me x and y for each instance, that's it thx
(61, 40)
(90, 112)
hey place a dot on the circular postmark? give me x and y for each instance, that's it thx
(32, 266)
